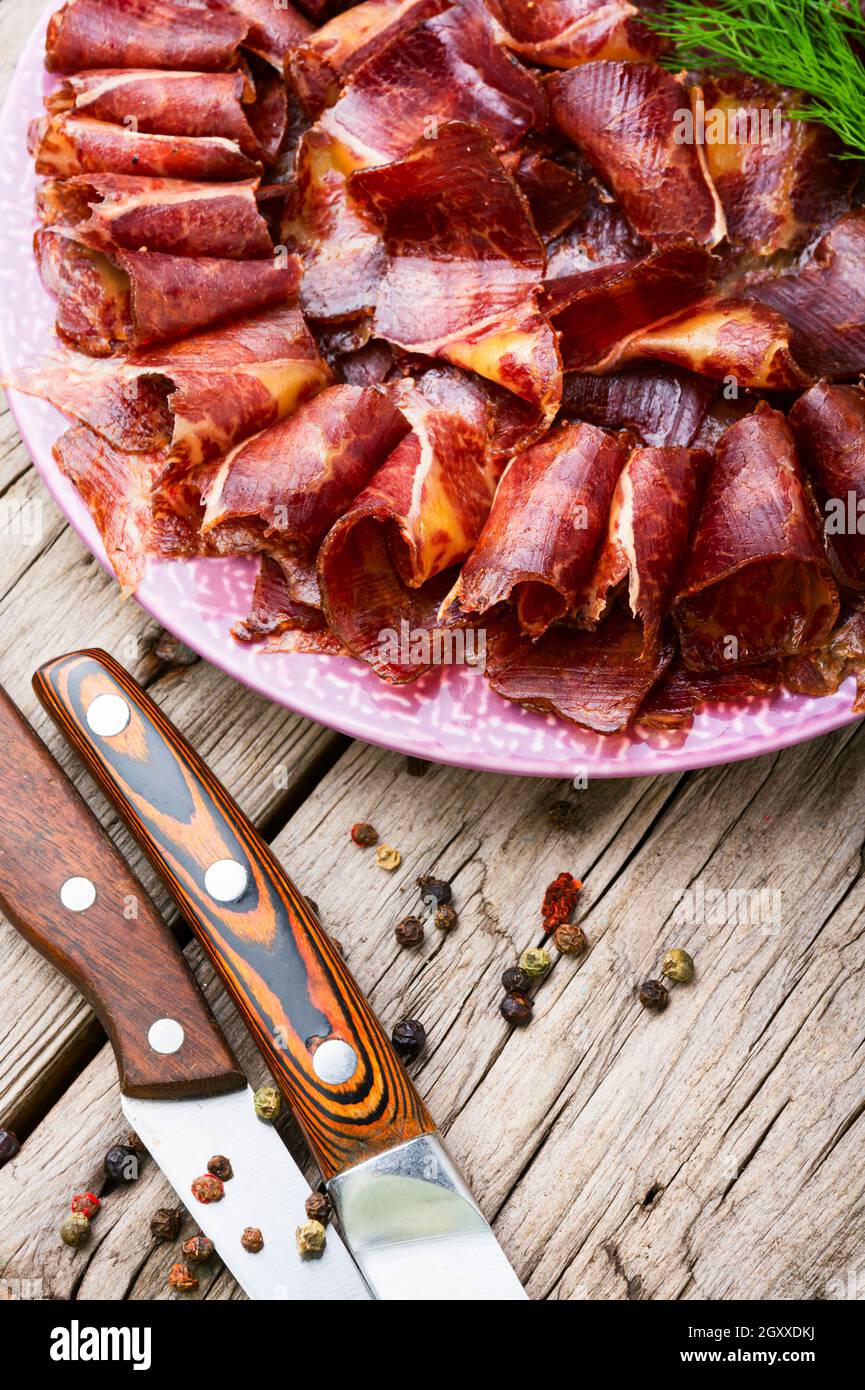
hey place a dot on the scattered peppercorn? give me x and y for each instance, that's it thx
(310, 1239)
(122, 1163)
(516, 1008)
(535, 961)
(436, 888)
(319, 1207)
(165, 1223)
(563, 815)
(409, 932)
(515, 978)
(446, 917)
(364, 834)
(560, 899)
(197, 1249)
(208, 1188)
(9, 1146)
(268, 1103)
(174, 652)
(252, 1240)
(653, 995)
(570, 939)
(182, 1278)
(409, 1038)
(86, 1202)
(220, 1166)
(75, 1229)
(678, 965)
(388, 858)
(416, 767)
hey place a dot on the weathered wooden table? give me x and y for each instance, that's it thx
(713, 1151)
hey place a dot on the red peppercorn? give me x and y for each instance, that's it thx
(85, 1202)
(516, 1009)
(208, 1188)
(197, 1249)
(560, 899)
(182, 1278)
(364, 834)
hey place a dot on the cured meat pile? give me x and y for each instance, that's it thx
(424, 304)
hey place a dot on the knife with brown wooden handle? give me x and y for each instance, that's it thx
(66, 887)
(406, 1213)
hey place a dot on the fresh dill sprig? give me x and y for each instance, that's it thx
(804, 44)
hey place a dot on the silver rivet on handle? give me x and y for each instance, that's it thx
(226, 880)
(108, 715)
(77, 894)
(166, 1035)
(334, 1061)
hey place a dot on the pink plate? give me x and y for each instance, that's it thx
(450, 715)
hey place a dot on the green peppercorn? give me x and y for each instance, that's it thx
(75, 1228)
(678, 965)
(310, 1238)
(268, 1103)
(319, 1207)
(446, 917)
(653, 995)
(9, 1146)
(165, 1223)
(197, 1249)
(220, 1166)
(515, 978)
(516, 1008)
(409, 932)
(570, 939)
(252, 1240)
(182, 1278)
(535, 961)
(409, 1037)
(122, 1163)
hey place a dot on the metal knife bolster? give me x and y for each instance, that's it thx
(417, 1232)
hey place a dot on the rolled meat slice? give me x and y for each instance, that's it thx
(663, 406)
(111, 212)
(626, 119)
(756, 585)
(563, 33)
(108, 304)
(829, 423)
(67, 144)
(273, 28)
(143, 34)
(542, 535)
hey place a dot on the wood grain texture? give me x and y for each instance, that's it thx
(282, 970)
(117, 952)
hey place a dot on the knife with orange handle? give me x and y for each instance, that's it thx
(405, 1211)
(68, 890)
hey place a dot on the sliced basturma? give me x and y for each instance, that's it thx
(821, 672)
(651, 515)
(294, 480)
(194, 398)
(274, 609)
(556, 193)
(756, 585)
(143, 34)
(777, 178)
(111, 212)
(464, 262)
(595, 679)
(163, 103)
(680, 693)
(595, 311)
(541, 537)
(320, 66)
(829, 424)
(383, 564)
(273, 28)
(625, 117)
(563, 33)
(739, 339)
(449, 68)
(111, 304)
(71, 144)
(824, 301)
(663, 406)
(600, 236)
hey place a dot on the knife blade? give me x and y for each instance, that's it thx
(408, 1217)
(68, 890)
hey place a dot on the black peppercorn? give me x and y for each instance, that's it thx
(446, 917)
(515, 978)
(653, 995)
(516, 1008)
(9, 1146)
(409, 932)
(409, 1037)
(319, 1207)
(436, 888)
(122, 1163)
(197, 1249)
(165, 1223)
(220, 1167)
